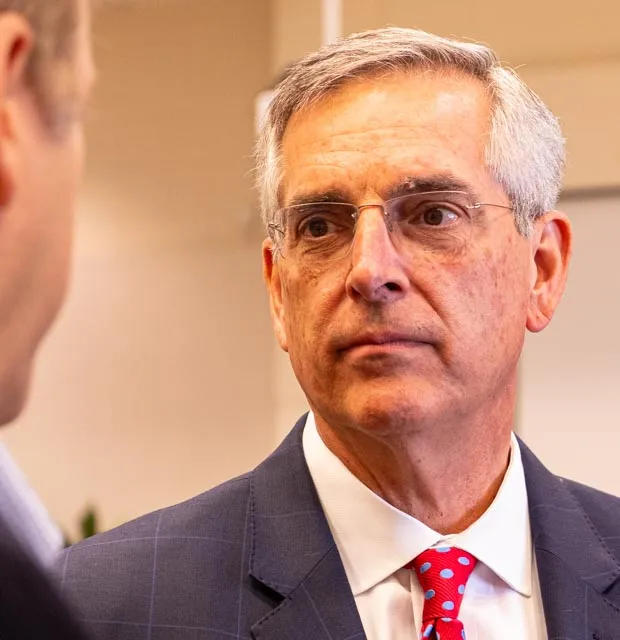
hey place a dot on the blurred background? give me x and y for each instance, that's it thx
(162, 377)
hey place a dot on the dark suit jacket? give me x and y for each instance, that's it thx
(30, 607)
(254, 558)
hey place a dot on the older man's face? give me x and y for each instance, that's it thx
(383, 339)
(41, 169)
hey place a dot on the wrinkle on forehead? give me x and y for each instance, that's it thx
(365, 103)
(371, 130)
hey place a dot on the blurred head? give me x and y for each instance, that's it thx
(422, 320)
(46, 71)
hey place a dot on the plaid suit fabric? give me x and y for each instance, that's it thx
(180, 573)
(254, 558)
(220, 565)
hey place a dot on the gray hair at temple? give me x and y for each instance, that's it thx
(51, 71)
(525, 151)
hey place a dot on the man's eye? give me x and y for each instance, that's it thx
(316, 227)
(439, 216)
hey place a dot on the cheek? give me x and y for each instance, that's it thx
(495, 295)
(78, 153)
(56, 209)
(73, 161)
(310, 299)
(300, 294)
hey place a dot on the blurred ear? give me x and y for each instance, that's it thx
(16, 42)
(271, 274)
(550, 258)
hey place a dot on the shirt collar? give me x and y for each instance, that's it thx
(501, 536)
(365, 526)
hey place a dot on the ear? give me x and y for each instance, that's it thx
(271, 274)
(551, 252)
(16, 42)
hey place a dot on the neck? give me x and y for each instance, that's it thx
(445, 475)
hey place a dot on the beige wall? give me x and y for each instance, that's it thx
(571, 371)
(296, 30)
(530, 32)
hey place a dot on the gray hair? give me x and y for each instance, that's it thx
(525, 152)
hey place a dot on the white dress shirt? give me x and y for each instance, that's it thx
(23, 513)
(375, 540)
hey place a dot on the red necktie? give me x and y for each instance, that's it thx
(443, 573)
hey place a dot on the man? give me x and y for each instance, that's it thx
(408, 185)
(45, 75)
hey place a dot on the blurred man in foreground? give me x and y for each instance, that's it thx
(45, 75)
(408, 188)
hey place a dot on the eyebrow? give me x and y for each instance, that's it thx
(331, 195)
(420, 184)
(435, 182)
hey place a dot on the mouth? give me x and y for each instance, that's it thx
(382, 342)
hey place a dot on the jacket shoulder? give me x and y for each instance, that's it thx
(602, 510)
(112, 578)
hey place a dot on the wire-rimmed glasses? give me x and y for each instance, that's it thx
(437, 221)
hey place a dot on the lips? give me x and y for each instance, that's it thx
(380, 338)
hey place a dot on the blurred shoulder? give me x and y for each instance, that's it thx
(213, 515)
(30, 606)
(110, 576)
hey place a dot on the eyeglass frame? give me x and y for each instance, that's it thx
(384, 207)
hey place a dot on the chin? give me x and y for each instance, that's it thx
(383, 411)
(401, 418)
(11, 408)
(14, 387)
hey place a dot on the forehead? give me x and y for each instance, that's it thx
(374, 132)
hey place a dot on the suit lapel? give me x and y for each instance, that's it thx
(294, 554)
(321, 607)
(574, 565)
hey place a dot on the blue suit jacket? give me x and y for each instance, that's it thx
(254, 558)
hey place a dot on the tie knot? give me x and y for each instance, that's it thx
(443, 573)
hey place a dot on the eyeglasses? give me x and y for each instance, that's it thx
(440, 222)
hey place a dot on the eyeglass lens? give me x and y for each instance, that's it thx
(321, 231)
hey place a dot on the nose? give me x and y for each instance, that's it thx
(377, 271)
